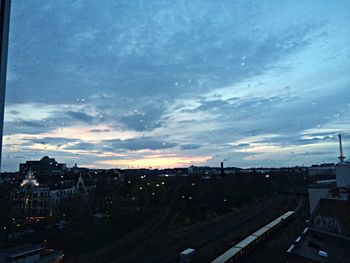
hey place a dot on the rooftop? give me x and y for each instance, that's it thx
(246, 241)
(187, 251)
(324, 184)
(310, 243)
(20, 250)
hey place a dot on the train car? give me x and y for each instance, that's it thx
(247, 244)
(273, 223)
(262, 233)
(231, 255)
(244, 247)
(287, 215)
(235, 253)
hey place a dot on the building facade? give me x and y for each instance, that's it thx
(45, 165)
(34, 200)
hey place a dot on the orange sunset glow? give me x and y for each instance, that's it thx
(156, 162)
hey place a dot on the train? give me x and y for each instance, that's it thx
(237, 252)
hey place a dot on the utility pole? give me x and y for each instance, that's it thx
(5, 8)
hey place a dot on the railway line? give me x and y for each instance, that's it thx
(247, 245)
(171, 254)
(198, 240)
(282, 240)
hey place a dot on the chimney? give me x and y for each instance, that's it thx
(222, 169)
(341, 157)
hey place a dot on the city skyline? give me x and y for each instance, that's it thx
(162, 85)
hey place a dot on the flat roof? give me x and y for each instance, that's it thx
(187, 251)
(246, 241)
(50, 252)
(290, 249)
(273, 223)
(21, 250)
(227, 255)
(322, 185)
(337, 249)
(261, 231)
(298, 239)
(288, 214)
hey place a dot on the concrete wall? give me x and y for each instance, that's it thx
(343, 175)
(315, 194)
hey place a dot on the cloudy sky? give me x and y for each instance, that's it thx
(161, 83)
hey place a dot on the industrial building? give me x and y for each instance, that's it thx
(327, 238)
(338, 189)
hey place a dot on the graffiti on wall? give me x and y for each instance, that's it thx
(329, 224)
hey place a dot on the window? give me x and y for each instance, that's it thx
(204, 108)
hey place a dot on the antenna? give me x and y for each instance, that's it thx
(341, 157)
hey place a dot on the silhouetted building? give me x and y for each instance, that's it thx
(46, 165)
(30, 253)
(322, 171)
(32, 199)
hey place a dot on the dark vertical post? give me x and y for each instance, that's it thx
(222, 171)
(4, 33)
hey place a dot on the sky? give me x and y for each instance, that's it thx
(161, 83)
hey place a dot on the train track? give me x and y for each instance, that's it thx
(254, 254)
(171, 254)
(140, 239)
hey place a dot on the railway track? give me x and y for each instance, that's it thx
(171, 254)
(243, 251)
(140, 239)
(254, 256)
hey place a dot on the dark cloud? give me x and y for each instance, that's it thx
(26, 127)
(322, 134)
(31, 124)
(170, 55)
(316, 153)
(213, 105)
(287, 140)
(118, 145)
(57, 140)
(99, 130)
(83, 146)
(137, 61)
(242, 145)
(243, 107)
(190, 146)
(146, 119)
(139, 122)
(80, 116)
(136, 144)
